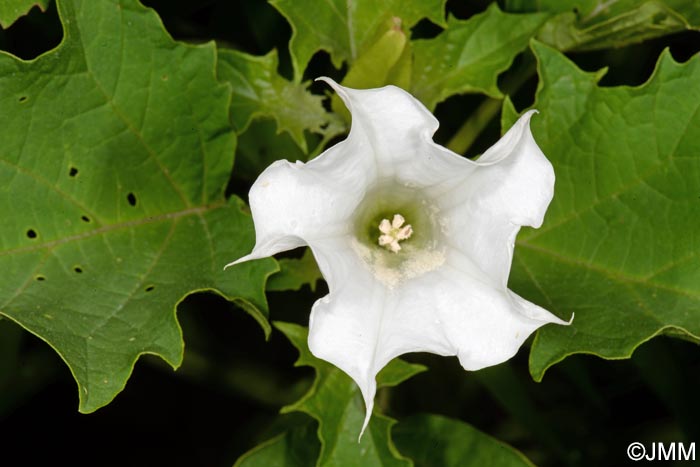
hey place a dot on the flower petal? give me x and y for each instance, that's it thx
(345, 325)
(355, 326)
(293, 203)
(397, 129)
(363, 324)
(523, 176)
(481, 324)
(512, 186)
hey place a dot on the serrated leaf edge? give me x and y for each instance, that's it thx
(537, 373)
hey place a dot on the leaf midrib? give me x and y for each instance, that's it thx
(197, 210)
(615, 275)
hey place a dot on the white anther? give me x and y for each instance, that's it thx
(393, 232)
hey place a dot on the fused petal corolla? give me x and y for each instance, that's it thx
(414, 241)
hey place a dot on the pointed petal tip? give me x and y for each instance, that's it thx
(339, 89)
(257, 253)
(520, 131)
(561, 322)
(526, 117)
(331, 82)
(368, 415)
(238, 261)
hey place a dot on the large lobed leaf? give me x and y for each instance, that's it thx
(259, 91)
(296, 447)
(428, 440)
(600, 24)
(620, 243)
(470, 54)
(467, 56)
(116, 151)
(436, 441)
(345, 28)
(334, 400)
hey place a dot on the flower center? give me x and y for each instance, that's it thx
(393, 232)
(400, 213)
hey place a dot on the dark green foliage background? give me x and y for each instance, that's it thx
(226, 397)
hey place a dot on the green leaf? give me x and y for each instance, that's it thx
(469, 55)
(620, 242)
(334, 400)
(11, 10)
(116, 153)
(433, 440)
(258, 90)
(294, 273)
(260, 145)
(375, 66)
(388, 60)
(690, 9)
(346, 28)
(598, 11)
(297, 447)
(593, 24)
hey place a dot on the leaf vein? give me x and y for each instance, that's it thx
(114, 227)
(587, 265)
(139, 283)
(139, 137)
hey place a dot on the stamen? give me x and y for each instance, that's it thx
(393, 232)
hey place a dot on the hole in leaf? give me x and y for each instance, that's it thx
(40, 278)
(131, 198)
(31, 233)
(77, 269)
(85, 218)
(72, 172)
(22, 99)
(150, 288)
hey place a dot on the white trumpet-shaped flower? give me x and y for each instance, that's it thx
(414, 241)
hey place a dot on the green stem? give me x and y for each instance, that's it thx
(489, 108)
(475, 124)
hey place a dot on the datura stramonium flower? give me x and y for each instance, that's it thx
(414, 241)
